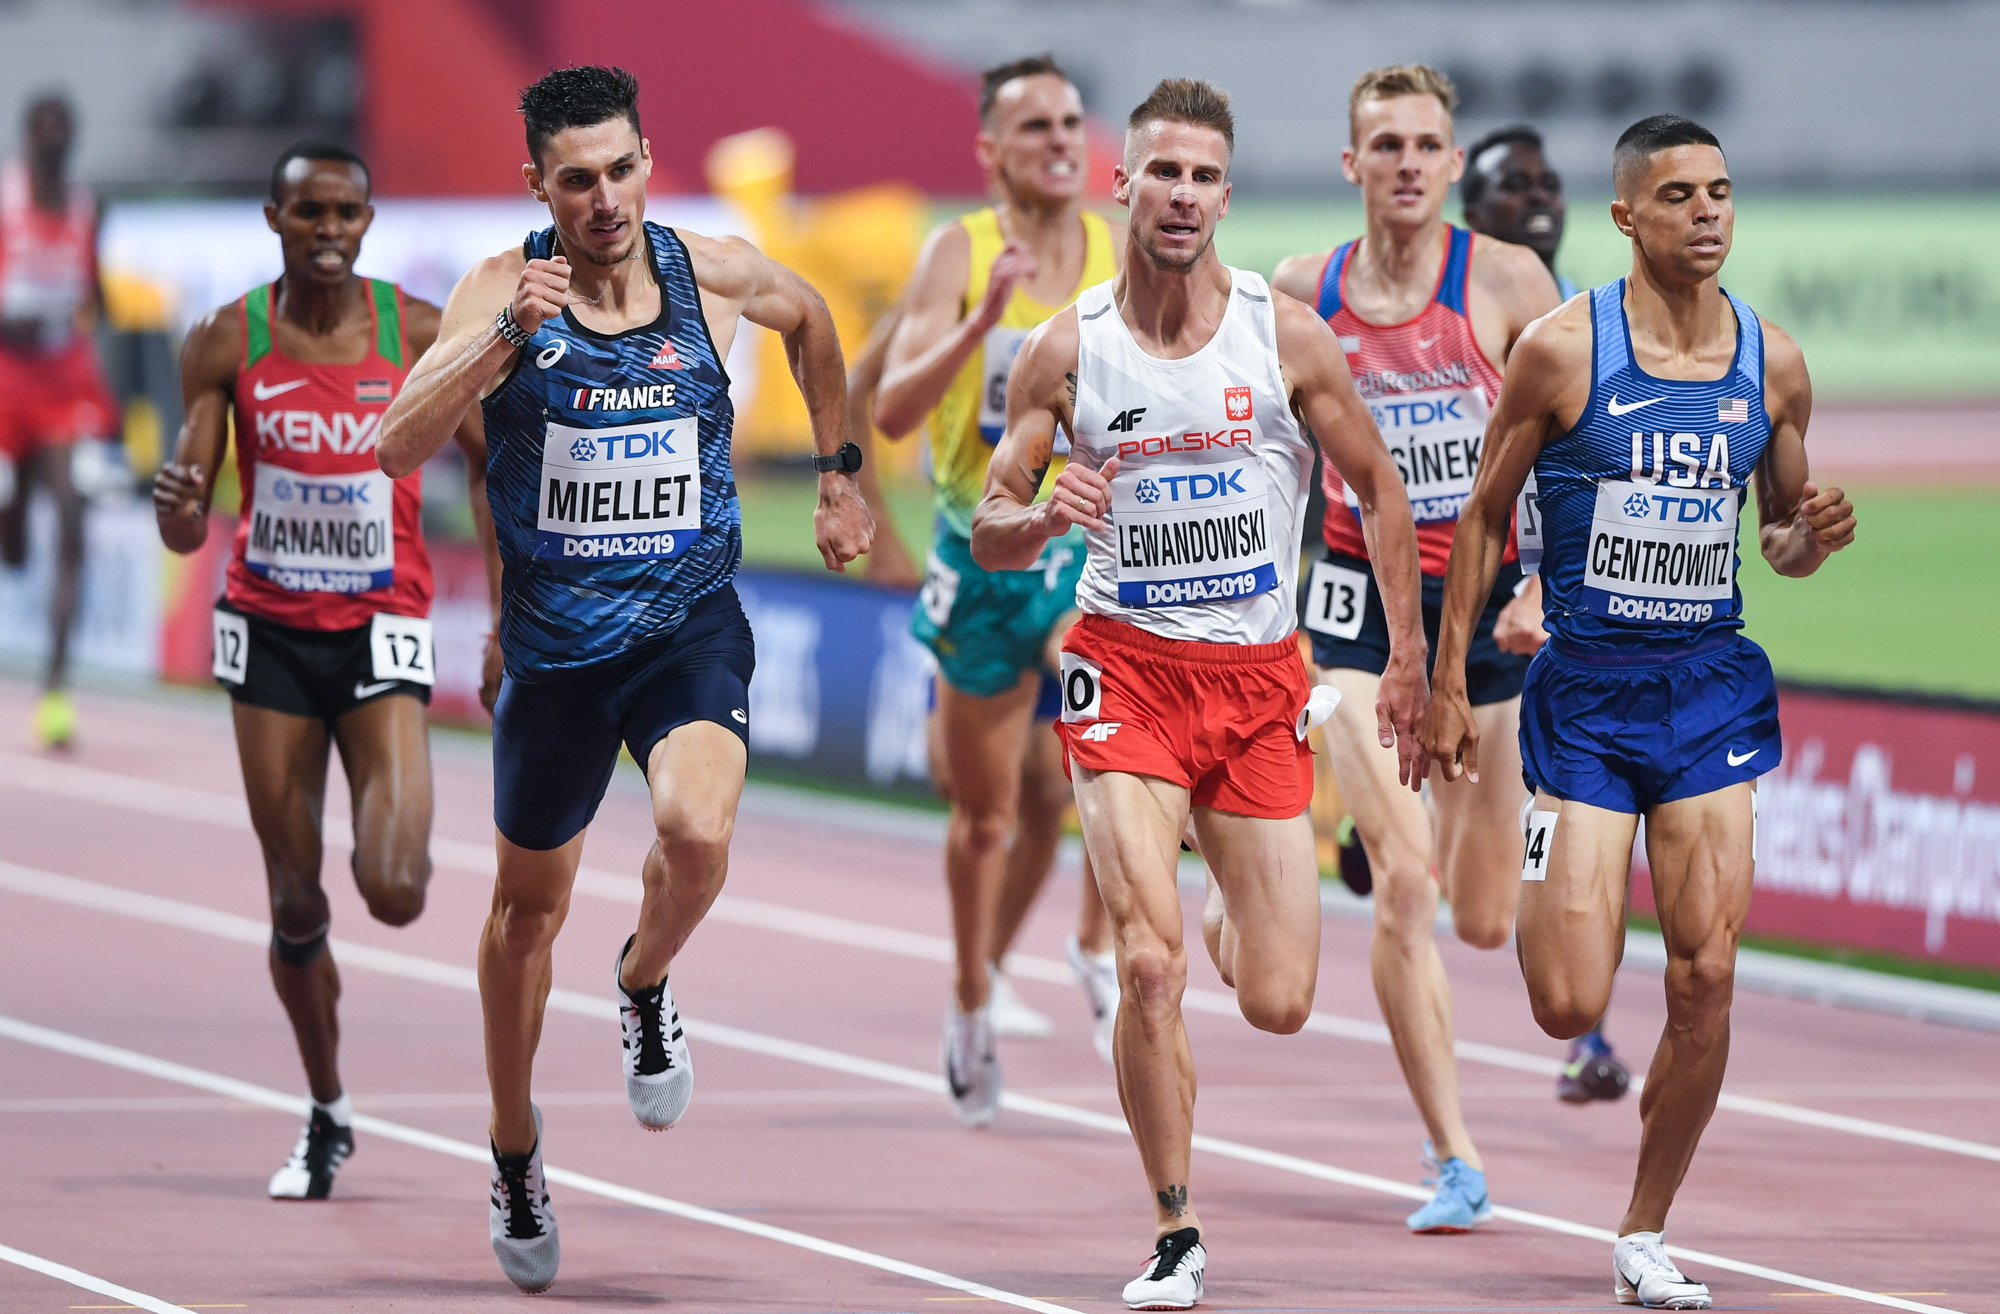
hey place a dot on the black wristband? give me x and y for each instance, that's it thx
(510, 328)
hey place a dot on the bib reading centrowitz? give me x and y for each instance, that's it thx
(1199, 534)
(625, 494)
(1659, 553)
(322, 533)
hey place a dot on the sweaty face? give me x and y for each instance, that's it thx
(1679, 209)
(1523, 201)
(1403, 158)
(1033, 140)
(320, 217)
(1175, 181)
(594, 180)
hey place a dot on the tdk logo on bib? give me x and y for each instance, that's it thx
(321, 492)
(625, 494)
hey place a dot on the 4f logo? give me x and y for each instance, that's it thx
(1236, 402)
(1100, 732)
(1127, 421)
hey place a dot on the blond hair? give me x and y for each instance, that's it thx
(1187, 100)
(1398, 80)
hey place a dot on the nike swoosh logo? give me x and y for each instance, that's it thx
(1616, 409)
(1739, 761)
(370, 690)
(262, 393)
(1425, 344)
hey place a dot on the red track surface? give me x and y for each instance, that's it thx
(158, 1185)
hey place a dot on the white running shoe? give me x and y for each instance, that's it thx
(519, 1220)
(1098, 975)
(1645, 1276)
(308, 1175)
(1012, 1018)
(659, 1075)
(1172, 1276)
(971, 1068)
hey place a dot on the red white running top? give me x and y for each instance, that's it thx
(1430, 388)
(1208, 504)
(48, 262)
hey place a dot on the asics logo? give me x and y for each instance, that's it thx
(551, 354)
(262, 393)
(1739, 761)
(1627, 409)
(736, 713)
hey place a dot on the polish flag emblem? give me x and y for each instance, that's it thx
(1236, 401)
(666, 358)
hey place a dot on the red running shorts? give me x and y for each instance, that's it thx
(1214, 718)
(52, 400)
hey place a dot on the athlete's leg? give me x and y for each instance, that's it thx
(1571, 931)
(1266, 873)
(696, 778)
(1409, 975)
(1093, 923)
(1479, 831)
(1045, 799)
(284, 780)
(385, 747)
(1699, 850)
(66, 580)
(1132, 828)
(530, 900)
(983, 740)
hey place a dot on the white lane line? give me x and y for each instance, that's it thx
(172, 912)
(177, 801)
(76, 1277)
(165, 1070)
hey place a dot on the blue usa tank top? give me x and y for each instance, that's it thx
(608, 472)
(1640, 501)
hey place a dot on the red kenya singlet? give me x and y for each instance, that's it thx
(1429, 387)
(326, 540)
(48, 262)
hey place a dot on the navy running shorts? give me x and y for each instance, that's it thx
(555, 739)
(1627, 733)
(1491, 676)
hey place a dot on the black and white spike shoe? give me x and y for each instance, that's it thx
(308, 1175)
(659, 1075)
(1172, 1276)
(519, 1220)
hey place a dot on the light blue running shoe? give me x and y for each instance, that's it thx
(1460, 1203)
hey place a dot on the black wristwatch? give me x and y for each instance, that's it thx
(847, 460)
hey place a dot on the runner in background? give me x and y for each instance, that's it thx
(982, 283)
(321, 636)
(53, 400)
(1512, 193)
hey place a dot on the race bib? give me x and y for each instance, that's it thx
(1082, 688)
(1336, 600)
(232, 647)
(322, 533)
(1435, 438)
(996, 363)
(401, 648)
(939, 592)
(1661, 554)
(1192, 534)
(1541, 838)
(631, 493)
(1528, 526)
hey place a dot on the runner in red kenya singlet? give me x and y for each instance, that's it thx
(322, 635)
(1427, 314)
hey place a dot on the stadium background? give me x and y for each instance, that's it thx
(835, 134)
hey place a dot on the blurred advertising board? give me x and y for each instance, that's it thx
(118, 618)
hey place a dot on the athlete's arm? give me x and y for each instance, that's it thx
(1009, 527)
(1799, 525)
(469, 354)
(1520, 290)
(1548, 376)
(889, 562)
(739, 276)
(185, 485)
(1298, 276)
(1324, 397)
(939, 332)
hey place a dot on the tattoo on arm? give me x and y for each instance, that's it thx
(1069, 381)
(1174, 1198)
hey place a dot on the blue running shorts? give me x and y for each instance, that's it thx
(1629, 732)
(555, 739)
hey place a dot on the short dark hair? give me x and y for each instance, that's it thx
(311, 149)
(576, 97)
(1187, 100)
(1648, 136)
(1473, 186)
(1000, 75)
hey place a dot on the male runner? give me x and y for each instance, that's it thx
(1185, 388)
(1426, 312)
(1512, 194)
(53, 399)
(320, 636)
(982, 283)
(1645, 410)
(596, 349)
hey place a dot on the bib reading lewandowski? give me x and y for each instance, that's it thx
(1199, 534)
(322, 533)
(627, 494)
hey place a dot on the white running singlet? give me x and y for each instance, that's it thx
(1208, 504)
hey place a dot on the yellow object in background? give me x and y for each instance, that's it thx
(135, 304)
(144, 439)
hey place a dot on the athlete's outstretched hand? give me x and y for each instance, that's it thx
(1828, 515)
(1449, 736)
(842, 523)
(1518, 628)
(1399, 706)
(1079, 497)
(1013, 266)
(542, 293)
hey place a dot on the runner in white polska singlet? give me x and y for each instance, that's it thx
(1182, 384)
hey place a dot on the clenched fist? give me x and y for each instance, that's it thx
(541, 294)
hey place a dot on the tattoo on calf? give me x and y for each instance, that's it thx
(1173, 1199)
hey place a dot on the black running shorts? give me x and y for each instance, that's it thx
(323, 674)
(1491, 676)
